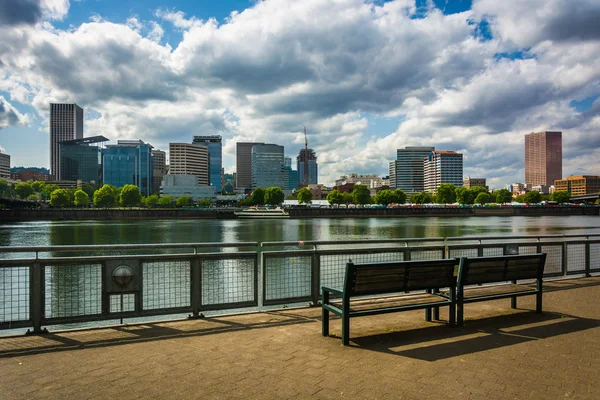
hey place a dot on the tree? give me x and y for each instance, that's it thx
(130, 196)
(384, 197)
(166, 201)
(520, 198)
(421, 198)
(503, 196)
(533, 197)
(4, 189)
(463, 195)
(479, 189)
(258, 197)
(152, 200)
(47, 189)
(88, 189)
(445, 194)
(304, 196)
(561, 196)
(274, 195)
(33, 197)
(106, 196)
(335, 197)
(81, 199)
(399, 196)
(185, 201)
(204, 203)
(347, 197)
(482, 198)
(361, 194)
(37, 186)
(23, 190)
(60, 198)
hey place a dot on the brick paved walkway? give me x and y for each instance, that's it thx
(499, 354)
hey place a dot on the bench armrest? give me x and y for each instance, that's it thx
(332, 290)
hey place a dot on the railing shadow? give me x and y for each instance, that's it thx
(144, 332)
(440, 341)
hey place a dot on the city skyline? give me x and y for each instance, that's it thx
(467, 76)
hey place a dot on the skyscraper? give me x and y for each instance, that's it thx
(66, 123)
(4, 165)
(313, 167)
(443, 167)
(159, 169)
(80, 159)
(243, 165)
(267, 166)
(407, 172)
(189, 159)
(543, 158)
(128, 162)
(215, 158)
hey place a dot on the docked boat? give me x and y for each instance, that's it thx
(266, 213)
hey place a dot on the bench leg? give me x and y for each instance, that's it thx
(459, 309)
(513, 300)
(436, 310)
(428, 309)
(345, 329)
(538, 300)
(325, 322)
(452, 315)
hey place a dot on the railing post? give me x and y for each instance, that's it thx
(587, 259)
(480, 249)
(36, 298)
(565, 259)
(196, 287)
(315, 277)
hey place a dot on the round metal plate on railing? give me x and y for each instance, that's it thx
(122, 275)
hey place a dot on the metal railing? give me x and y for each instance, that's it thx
(53, 285)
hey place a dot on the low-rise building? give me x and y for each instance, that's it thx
(186, 185)
(469, 182)
(578, 185)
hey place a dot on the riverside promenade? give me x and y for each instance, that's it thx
(500, 353)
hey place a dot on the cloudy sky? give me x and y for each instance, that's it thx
(364, 76)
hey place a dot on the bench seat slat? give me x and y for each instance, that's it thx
(391, 301)
(495, 290)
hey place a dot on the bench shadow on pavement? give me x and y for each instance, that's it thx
(440, 341)
(24, 345)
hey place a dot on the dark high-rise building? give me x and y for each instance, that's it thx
(128, 162)
(80, 160)
(313, 167)
(66, 123)
(243, 165)
(543, 158)
(407, 172)
(159, 169)
(267, 166)
(215, 158)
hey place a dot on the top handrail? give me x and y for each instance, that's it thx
(158, 246)
(338, 242)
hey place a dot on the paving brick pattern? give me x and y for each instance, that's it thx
(499, 354)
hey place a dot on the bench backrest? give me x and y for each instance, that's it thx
(390, 277)
(500, 269)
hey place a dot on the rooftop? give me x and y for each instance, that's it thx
(500, 353)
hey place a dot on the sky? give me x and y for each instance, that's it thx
(365, 77)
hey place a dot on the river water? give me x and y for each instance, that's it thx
(46, 233)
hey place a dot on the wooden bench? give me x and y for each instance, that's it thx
(392, 279)
(485, 270)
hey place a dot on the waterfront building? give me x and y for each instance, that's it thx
(442, 167)
(189, 159)
(243, 165)
(159, 169)
(290, 179)
(313, 167)
(407, 171)
(128, 162)
(186, 185)
(543, 158)
(4, 166)
(469, 182)
(215, 159)
(543, 189)
(578, 185)
(66, 123)
(516, 188)
(267, 166)
(371, 181)
(80, 159)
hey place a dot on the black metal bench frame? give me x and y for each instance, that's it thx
(392, 278)
(486, 270)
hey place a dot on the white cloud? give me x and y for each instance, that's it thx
(281, 65)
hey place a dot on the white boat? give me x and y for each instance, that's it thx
(262, 213)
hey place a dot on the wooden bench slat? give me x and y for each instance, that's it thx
(495, 290)
(391, 301)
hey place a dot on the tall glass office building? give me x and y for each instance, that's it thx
(215, 159)
(80, 161)
(313, 167)
(128, 162)
(407, 171)
(267, 166)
